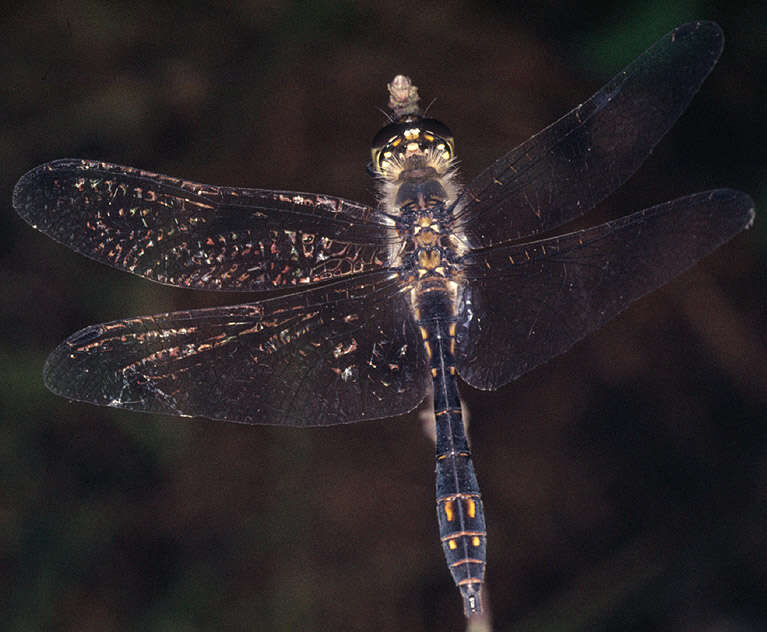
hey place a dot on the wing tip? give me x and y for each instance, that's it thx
(702, 31)
(52, 368)
(740, 203)
(700, 28)
(22, 190)
(60, 361)
(28, 190)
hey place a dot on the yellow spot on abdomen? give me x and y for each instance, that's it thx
(452, 545)
(449, 511)
(471, 507)
(475, 540)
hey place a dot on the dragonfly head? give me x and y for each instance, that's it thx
(411, 138)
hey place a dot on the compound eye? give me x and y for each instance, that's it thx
(437, 128)
(387, 133)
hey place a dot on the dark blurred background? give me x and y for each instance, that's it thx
(625, 482)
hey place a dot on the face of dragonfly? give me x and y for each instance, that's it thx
(412, 143)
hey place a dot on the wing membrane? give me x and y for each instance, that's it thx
(563, 171)
(527, 303)
(344, 352)
(200, 236)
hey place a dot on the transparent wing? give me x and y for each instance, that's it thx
(563, 171)
(200, 236)
(527, 303)
(344, 352)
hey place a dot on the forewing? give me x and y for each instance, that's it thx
(201, 236)
(344, 352)
(527, 303)
(563, 171)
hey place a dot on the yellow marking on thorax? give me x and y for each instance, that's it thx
(425, 237)
(429, 259)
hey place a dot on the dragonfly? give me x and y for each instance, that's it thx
(378, 306)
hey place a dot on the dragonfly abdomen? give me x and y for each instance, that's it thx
(459, 504)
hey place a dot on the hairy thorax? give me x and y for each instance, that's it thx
(419, 193)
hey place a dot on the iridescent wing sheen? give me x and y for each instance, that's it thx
(525, 304)
(563, 171)
(340, 353)
(200, 236)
